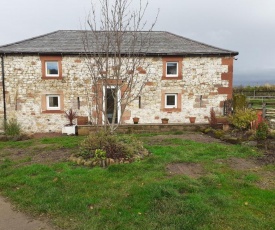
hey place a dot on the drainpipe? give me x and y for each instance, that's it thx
(4, 90)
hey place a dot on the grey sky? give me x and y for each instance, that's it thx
(246, 26)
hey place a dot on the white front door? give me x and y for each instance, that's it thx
(110, 92)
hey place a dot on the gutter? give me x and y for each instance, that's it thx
(4, 89)
(91, 53)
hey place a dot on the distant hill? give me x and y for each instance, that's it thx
(253, 83)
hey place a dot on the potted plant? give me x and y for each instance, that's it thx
(70, 128)
(192, 119)
(135, 120)
(164, 120)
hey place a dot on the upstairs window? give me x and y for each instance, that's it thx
(171, 100)
(51, 67)
(53, 102)
(172, 69)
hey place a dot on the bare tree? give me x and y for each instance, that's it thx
(115, 52)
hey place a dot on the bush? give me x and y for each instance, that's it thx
(105, 145)
(213, 119)
(218, 133)
(262, 131)
(70, 115)
(239, 102)
(242, 118)
(12, 127)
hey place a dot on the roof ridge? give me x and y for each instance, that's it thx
(192, 40)
(29, 39)
(154, 31)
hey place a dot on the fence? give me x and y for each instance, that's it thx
(258, 99)
(268, 110)
(256, 93)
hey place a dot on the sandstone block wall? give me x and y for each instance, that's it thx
(198, 89)
(205, 83)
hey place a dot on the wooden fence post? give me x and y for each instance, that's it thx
(264, 110)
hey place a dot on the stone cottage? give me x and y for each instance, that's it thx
(44, 76)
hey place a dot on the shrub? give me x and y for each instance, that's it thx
(12, 127)
(239, 102)
(218, 133)
(102, 144)
(213, 119)
(100, 154)
(262, 131)
(242, 118)
(70, 115)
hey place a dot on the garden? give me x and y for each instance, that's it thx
(212, 179)
(188, 181)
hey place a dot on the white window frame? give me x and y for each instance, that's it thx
(172, 75)
(176, 100)
(48, 102)
(46, 68)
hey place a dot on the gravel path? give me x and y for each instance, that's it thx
(13, 220)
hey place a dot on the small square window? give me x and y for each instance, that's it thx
(52, 68)
(53, 102)
(171, 100)
(172, 69)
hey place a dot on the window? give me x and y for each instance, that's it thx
(51, 67)
(172, 69)
(171, 100)
(53, 102)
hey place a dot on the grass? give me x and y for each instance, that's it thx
(258, 103)
(142, 195)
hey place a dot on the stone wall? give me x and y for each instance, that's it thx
(84, 130)
(25, 89)
(199, 91)
(203, 85)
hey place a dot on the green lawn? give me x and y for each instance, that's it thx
(141, 195)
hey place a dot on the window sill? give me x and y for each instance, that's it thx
(171, 78)
(52, 78)
(171, 110)
(53, 111)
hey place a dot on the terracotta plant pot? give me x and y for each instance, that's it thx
(135, 120)
(164, 120)
(192, 119)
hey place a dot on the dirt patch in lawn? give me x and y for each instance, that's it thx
(38, 155)
(52, 156)
(198, 137)
(255, 166)
(267, 158)
(192, 170)
(44, 135)
(240, 163)
(267, 180)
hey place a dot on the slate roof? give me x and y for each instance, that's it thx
(71, 42)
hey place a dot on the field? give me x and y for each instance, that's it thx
(189, 181)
